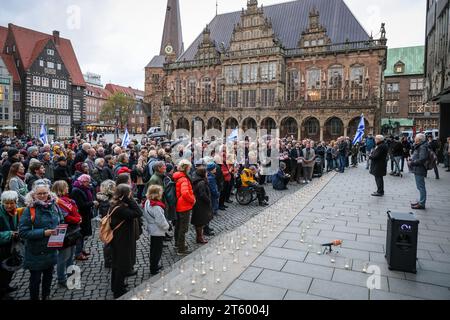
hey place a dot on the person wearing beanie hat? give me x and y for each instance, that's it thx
(211, 167)
(13, 157)
(215, 194)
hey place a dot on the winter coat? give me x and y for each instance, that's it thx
(203, 211)
(103, 204)
(215, 193)
(85, 208)
(97, 176)
(8, 225)
(278, 180)
(185, 194)
(18, 185)
(156, 179)
(30, 180)
(247, 178)
(62, 174)
(107, 173)
(170, 198)
(123, 245)
(397, 149)
(309, 157)
(370, 144)
(226, 172)
(418, 159)
(219, 177)
(49, 171)
(378, 166)
(5, 169)
(80, 157)
(155, 220)
(37, 255)
(150, 165)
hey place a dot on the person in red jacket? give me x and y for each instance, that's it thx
(226, 192)
(69, 209)
(185, 203)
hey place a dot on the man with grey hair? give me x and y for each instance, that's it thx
(90, 160)
(81, 155)
(33, 153)
(417, 166)
(378, 166)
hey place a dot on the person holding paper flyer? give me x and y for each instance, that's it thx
(38, 222)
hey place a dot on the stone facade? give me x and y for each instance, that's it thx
(317, 90)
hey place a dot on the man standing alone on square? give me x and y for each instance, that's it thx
(378, 167)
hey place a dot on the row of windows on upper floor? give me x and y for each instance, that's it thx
(414, 84)
(5, 94)
(50, 65)
(45, 82)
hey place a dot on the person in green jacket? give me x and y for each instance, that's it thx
(9, 221)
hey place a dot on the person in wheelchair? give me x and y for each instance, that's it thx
(248, 181)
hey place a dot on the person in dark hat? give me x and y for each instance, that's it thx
(61, 171)
(13, 157)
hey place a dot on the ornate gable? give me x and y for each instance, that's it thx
(207, 48)
(254, 31)
(315, 36)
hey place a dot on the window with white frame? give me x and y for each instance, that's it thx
(50, 52)
(16, 96)
(45, 82)
(58, 66)
(36, 81)
(63, 84)
(50, 65)
(55, 84)
(41, 63)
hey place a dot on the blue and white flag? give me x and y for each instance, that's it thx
(234, 135)
(126, 139)
(43, 134)
(360, 132)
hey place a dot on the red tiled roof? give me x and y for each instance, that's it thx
(3, 36)
(113, 88)
(30, 43)
(10, 64)
(98, 92)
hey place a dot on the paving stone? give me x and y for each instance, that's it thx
(347, 229)
(278, 243)
(370, 239)
(254, 291)
(430, 277)
(284, 253)
(294, 295)
(251, 274)
(434, 266)
(363, 246)
(334, 290)
(419, 290)
(269, 263)
(441, 257)
(309, 270)
(383, 295)
(337, 235)
(357, 278)
(284, 280)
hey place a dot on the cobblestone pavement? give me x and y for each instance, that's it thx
(95, 279)
(293, 268)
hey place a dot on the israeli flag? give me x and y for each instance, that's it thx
(234, 135)
(43, 134)
(360, 132)
(126, 139)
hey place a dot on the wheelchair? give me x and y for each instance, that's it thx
(246, 195)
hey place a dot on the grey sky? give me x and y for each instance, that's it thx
(118, 38)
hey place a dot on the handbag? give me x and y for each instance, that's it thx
(73, 234)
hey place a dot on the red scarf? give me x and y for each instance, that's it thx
(155, 203)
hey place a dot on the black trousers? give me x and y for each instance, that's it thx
(118, 282)
(140, 192)
(297, 171)
(380, 184)
(181, 228)
(107, 255)
(5, 280)
(225, 194)
(261, 192)
(156, 249)
(38, 276)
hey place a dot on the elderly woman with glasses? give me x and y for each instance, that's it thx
(38, 222)
(9, 221)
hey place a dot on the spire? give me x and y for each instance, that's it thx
(172, 40)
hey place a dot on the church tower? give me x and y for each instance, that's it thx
(172, 40)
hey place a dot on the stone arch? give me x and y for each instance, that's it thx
(311, 128)
(231, 123)
(289, 127)
(249, 123)
(334, 128)
(183, 123)
(268, 124)
(214, 123)
(353, 126)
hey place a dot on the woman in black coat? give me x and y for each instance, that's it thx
(202, 211)
(123, 246)
(378, 166)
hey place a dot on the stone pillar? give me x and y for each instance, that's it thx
(345, 131)
(321, 133)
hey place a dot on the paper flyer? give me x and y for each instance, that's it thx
(57, 240)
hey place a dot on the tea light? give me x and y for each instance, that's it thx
(333, 260)
(204, 291)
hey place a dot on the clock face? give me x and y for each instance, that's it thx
(169, 49)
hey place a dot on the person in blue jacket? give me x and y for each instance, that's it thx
(36, 231)
(215, 194)
(280, 179)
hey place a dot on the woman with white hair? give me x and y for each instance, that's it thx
(38, 222)
(185, 204)
(9, 222)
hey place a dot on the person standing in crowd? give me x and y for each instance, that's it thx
(70, 162)
(157, 225)
(140, 167)
(38, 222)
(104, 198)
(90, 160)
(362, 151)
(61, 172)
(37, 172)
(33, 153)
(80, 169)
(122, 165)
(73, 219)
(97, 173)
(296, 158)
(15, 182)
(309, 160)
(159, 169)
(342, 145)
(378, 166)
(170, 198)
(354, 152)
(125, 211)
(226, 190)
(280, 180)
(397, 154)
(202, 212)
(320, 152)
(48, 166)
(81, 155)
(108, 169)
(13, 157)
(152, 159)
(433, 145)
(370, 145)
(9, 235)
(416, 165)
(185, 203)
(406, 152)
(83, 195)
(213, 187)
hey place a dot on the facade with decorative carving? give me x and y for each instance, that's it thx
(309, 71)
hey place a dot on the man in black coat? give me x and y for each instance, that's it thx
(61, 172)
(378, 166)
(81, 155)
(296, 165)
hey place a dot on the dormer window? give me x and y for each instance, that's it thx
(399, 67)
(50, 52)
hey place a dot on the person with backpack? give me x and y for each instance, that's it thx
(433, 145)
(417, 165)
(104, 197)
(38, 222)
(170, 198)
(141, 166)
(202, 212)
(124, 212)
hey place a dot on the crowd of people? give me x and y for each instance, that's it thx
(153, 187)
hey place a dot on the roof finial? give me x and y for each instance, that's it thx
(217, 7)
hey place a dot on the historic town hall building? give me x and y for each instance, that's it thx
(306, 67)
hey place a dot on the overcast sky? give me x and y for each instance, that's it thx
(117, 38)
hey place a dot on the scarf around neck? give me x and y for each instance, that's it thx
(87, 190)
(155, 203)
